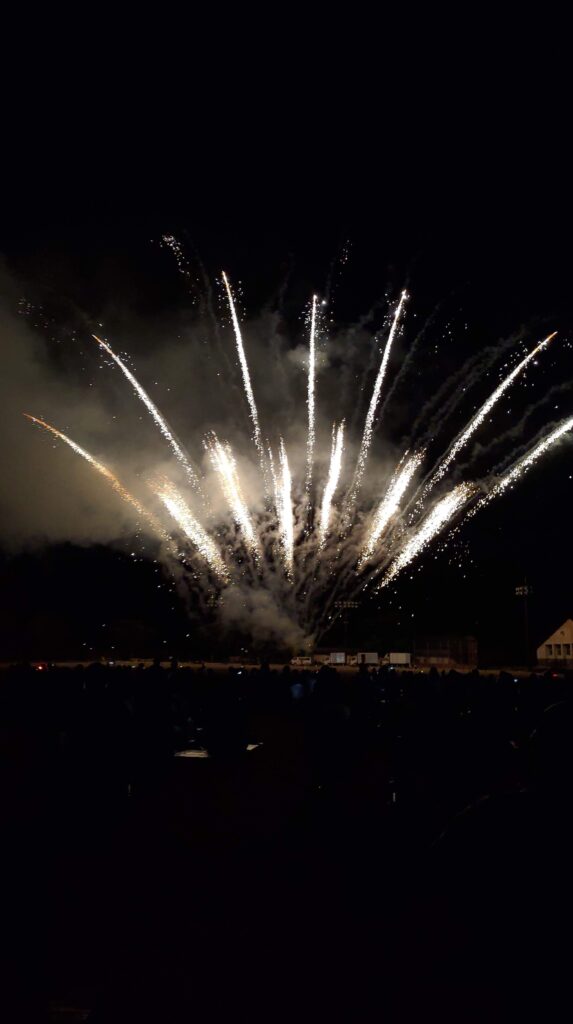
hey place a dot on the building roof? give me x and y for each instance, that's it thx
(564, 634)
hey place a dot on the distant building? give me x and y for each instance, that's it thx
(446, 651)
(557, 651)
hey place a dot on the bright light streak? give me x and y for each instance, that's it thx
(224, 463)
(285, 511)
(526, 462)
(336, 451)
(390, 506)
(435, 521)
(181, 513)
(246, 377)
(106, 473)
(272, 468)
(484, 410)
(160, 421)
(311, 394)
(371, 414)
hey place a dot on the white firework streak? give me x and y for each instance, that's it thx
(284, 510)
(272, 468)
(310, 394)
(176, 448)
(224, 463)
(435, 521)
(526, 462)
(106, 473)
(246, 379)
(390, 506)
(481, 414)
(336, 451)
(181, 513)
(371, 414)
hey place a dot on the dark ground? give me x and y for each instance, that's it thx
(397, 846)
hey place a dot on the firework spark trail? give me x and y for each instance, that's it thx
(246, 380)
(176, 448)
(389, 506)
(272, 468)
(331, 483)
(285, 511)
(435, 521)
(184, 267)
(482, 412)
(224, 463)
(181, 513)
(405, 363)
(105, 472)
(515, 431)
(310, 400)
(446, 398)
(525, 462)
(345, 371)
(371, 414)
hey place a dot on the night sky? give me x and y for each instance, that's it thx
(473, 216)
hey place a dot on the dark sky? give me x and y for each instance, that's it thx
(456, 186)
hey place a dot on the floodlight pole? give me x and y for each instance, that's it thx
(524, 591)
(345, 606)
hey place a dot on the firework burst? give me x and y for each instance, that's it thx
(300, 557)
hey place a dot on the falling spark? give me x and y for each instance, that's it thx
(336, 451)
(311, 394)
(181, 513)
(246, 378)
(390, 506)
(154, 412)
(371, 414)
(439, 517)
(285, 511)
(224, 463)
(483, 411)
(105, 472)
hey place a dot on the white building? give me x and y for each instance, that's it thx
(558, 648)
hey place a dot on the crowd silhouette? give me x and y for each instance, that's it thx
(355, 845)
